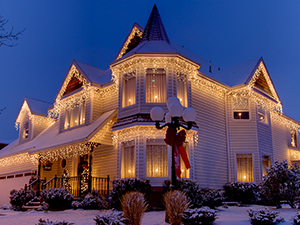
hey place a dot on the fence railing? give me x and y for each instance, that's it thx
(98, 183)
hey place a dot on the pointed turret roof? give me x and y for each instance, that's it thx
(155, 30)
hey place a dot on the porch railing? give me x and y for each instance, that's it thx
(98, 183)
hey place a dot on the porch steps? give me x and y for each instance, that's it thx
(35, 204)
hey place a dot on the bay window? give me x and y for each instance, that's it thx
(128, 159)
(156, 158)
(244, 166)
(129, 89)
(75, 116)
(182, 89)
(156, 86)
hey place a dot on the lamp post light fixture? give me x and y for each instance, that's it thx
(176, 111)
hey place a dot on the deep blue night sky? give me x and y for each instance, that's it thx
(225, 32)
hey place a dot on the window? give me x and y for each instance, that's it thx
(75, 117)
(185, 173)
(26, 130)
(244, 167)
(294, 138)
(129, 89)
(240, 108)
(265, 162)
(128, 159)
(182, 89)
(156, 85)
(262, 112)
(156, 158)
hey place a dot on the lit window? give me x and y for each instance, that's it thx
(265, 162)
(185, 173)
(26, 130)
(240, 108)
(182, 89)
(156, 158)
(156, 85)
(127, 160)
(244, 167)
(294, 138)
(75, 117)
(129, 89)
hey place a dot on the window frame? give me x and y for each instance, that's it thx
(26, 130)
(132, 144)
(166, 86)
(236, 165)
(131, 75)
(268, 162)
(184, 103)
(68, 114)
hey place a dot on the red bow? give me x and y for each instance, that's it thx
(172, 138)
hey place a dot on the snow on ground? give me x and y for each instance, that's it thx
(232, 216)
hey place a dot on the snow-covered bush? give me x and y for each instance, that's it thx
(204, 216)
(176, 204)
(47, 222)
(122, 186)
(296, 219)
(111, 219)
(134, 206)
(264, 217)
(282, 182)
(197, 196)
(57, 198)
(94, 200)
(20, 198)
(242, 192)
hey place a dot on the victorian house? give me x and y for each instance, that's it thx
(99, 121)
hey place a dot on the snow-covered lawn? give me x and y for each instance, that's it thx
(232, 215)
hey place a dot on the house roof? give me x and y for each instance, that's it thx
(37, 106)
(237, 74)
(51, 138)
(95, 75)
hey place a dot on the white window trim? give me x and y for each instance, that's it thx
(69, 112)
(122, 97)
(253, 166)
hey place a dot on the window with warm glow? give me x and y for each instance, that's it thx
(244, 167)
(26, 130)
(129, 89)
(182, 89)
(185, 173)
(75, 116)
(265, 162)
(240, 108)
(128, 159)
(156, 86)
(294, 138)
(156, 158)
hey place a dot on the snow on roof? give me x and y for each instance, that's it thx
(96, 75)
(237, 74)
(38, 106)
(51, 138)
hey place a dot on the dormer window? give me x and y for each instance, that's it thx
(26, 130)
(182, 89)
(75, 116)
(156, 86)
(129, 89)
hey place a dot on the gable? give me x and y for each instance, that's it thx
(261, 81)
(74, 80)
(132, 40)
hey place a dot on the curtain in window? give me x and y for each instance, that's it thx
(127, 162)
(156, 85)
(185, 173)
(74, 117)
(182, 89)
(129, 85)
(244, 167)
(82, 113)
(67, 119)
(157, 161)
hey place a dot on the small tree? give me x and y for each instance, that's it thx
(281, 183)
(7, 37)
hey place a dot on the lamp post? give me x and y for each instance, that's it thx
(172, 121)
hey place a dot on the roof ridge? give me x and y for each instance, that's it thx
(155, 30)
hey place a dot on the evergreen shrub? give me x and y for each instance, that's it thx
(204, 216)
(20, 198)
(111, 219)
(123, 186)
(47, 222)
(264, 217)
(242, 192)
(93, 200)
(57, 198)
